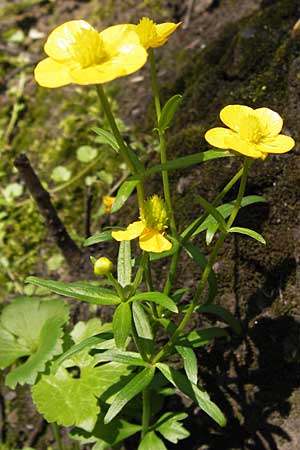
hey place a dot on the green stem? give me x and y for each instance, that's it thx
(139, 273)
(116, 285)
(146, 411)
(188, 232)
(163, 147)
(237, 205)
(57, 437)
(168, 346)
(122, 146)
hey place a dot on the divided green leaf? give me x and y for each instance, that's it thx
(170, 427)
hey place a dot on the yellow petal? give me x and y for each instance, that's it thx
(119, 36)
(277, 144)
(154, 241)
(245, 148)
(52, 74)
(270, 121)
(235, 115)
(218, 136)
(133, 230)
(164, 30)
(60, 41)
(120, 65)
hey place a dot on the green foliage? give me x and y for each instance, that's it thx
(32, 328)
(122, 324)
(129, 391)
(78, 290)
(168, 111)
(170, 427)
(124, 263)
(69, 396)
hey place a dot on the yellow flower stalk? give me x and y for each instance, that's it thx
(154, 35)
(108, 202)
(150, 229)
(252, 132)
(79, 54)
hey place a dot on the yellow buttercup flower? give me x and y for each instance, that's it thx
(79, 54)
(150, 229)
(108, 202)
(152, 34)
(252, 132)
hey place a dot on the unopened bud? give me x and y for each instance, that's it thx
(102, 266)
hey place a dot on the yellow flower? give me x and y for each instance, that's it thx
(252, 132)
(79, 54)
(150, 229)
(108, 202)
(152, 34)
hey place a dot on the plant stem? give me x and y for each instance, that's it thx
(57, 437)
(116, 285)
(139, 273)
(163, 147)
(122, 146)
(168, 346)
(146, 411)
(188, 232)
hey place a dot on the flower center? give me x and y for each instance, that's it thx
(146, 31)
(251, 130)
(85, 48)
(155, 214)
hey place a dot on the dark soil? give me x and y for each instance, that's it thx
(232, 51)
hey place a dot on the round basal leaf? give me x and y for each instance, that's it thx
(85, 153)
(84, 330)
(60, 174)
(70, 400)
(30, 327)
(106, 177)
(55, 262)
(12, 191)
(67, 400)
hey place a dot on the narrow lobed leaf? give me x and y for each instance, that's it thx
(78, 290)
(124, 192)
(98, 237)
(136, 385)
(168, 112)
(122, 324)
(156, 297)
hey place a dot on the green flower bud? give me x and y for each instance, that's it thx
(102, 266)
